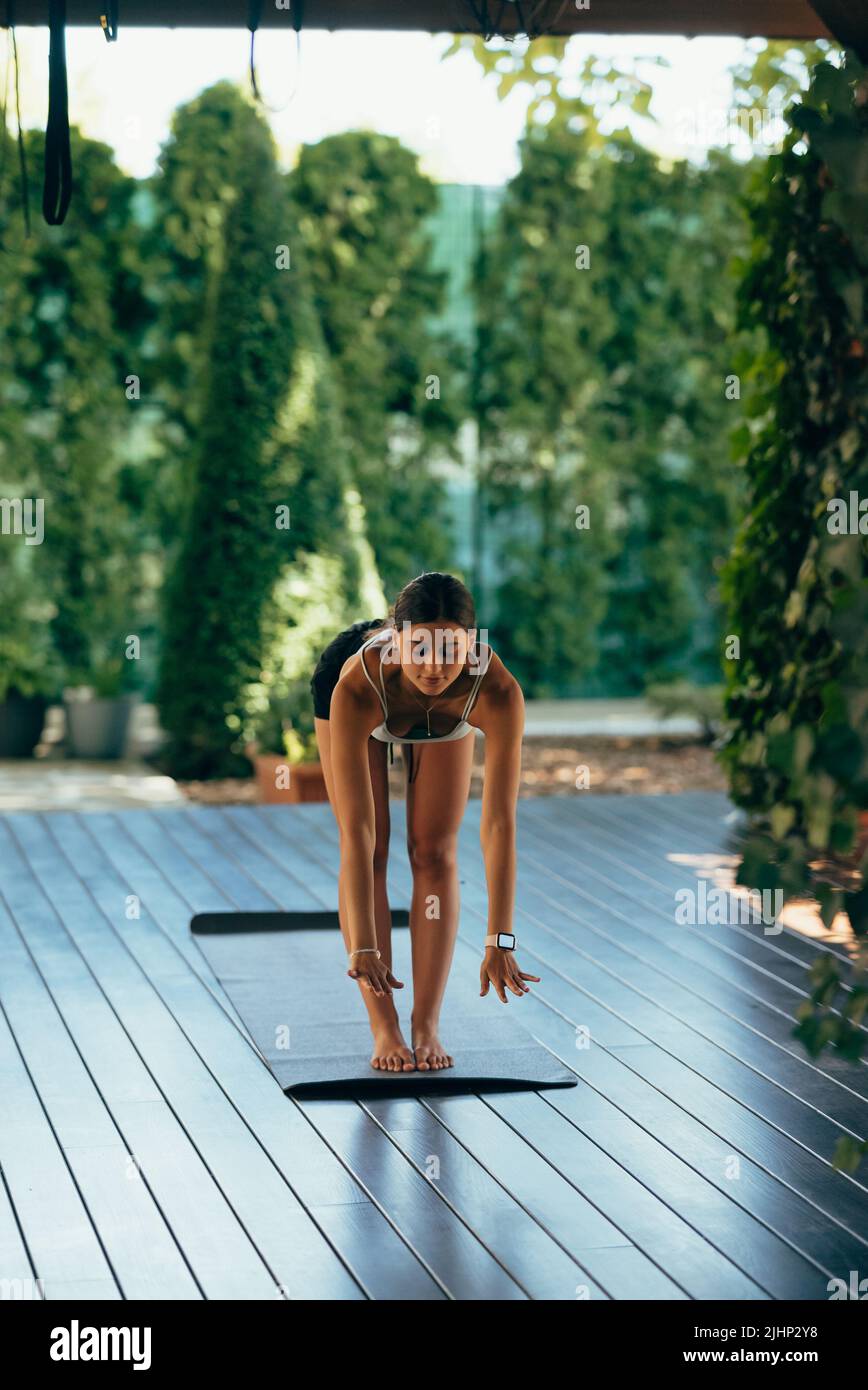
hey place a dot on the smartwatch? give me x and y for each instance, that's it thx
(504, 939)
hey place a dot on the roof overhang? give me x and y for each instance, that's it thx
(793, 19)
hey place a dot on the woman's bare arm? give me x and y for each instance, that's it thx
(502, 720)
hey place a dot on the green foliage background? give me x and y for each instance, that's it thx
(363, 206)
(72, 316)
(312, 388)
(797, 699)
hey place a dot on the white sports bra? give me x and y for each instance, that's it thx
(382, 731)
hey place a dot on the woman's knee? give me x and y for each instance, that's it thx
(436, 854)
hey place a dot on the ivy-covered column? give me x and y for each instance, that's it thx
(797, 581)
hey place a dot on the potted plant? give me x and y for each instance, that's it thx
(282, 747)
(28, 679)
(98, 711)
(30, 674)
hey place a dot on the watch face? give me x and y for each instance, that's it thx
(506, 940)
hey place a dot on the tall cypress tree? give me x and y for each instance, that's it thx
(268, 437)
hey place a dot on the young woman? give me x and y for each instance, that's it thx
(418, 679)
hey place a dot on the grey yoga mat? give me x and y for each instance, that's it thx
(285, 972)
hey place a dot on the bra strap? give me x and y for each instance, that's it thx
(474, 691)
(381, 697)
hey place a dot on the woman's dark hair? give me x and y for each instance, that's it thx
(431, 596)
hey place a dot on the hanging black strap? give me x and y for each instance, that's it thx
(109, 21)
(254, 14)
(57, 188)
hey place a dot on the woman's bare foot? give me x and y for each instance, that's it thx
(390, 1053)
(430, 1053)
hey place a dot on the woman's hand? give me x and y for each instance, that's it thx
(373, 974)
(500, 968)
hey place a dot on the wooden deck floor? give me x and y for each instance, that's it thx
(147, 1153)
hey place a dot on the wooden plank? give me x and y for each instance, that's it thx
(798, 1225)
(644, 866)
(455, 1254)
(286, 891)
(813, 1236)
(634, 1265)
(18, 1278)
(139, 1246)
(815, 1137)
(772, 977)
(170, 910)
(762, 1255)
(726, 1068)
(246, 834)
(636, 1271)
(295, 852)
(543, 1259)
(685, 971)
(614, 991)
(369, 1249)
(43, 1190)
(221, 870)
(245, 1245)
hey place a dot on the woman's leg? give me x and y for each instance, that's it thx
(391, 1053)
(436, 799)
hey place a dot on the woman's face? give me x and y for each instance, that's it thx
(434, 654)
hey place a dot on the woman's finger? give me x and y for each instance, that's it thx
(529, 977)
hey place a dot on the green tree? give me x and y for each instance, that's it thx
(363, 206)
(267, 438)
(539, 396)
(184, 207)
(72, 315)
(609, 378)
(777, 71)
(666, 278)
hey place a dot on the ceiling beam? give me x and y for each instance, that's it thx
(847, 21)
(793, 19)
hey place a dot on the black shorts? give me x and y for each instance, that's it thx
(328, 668)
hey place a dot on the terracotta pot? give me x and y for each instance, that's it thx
(280, 782)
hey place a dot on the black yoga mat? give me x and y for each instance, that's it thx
(286, 975)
